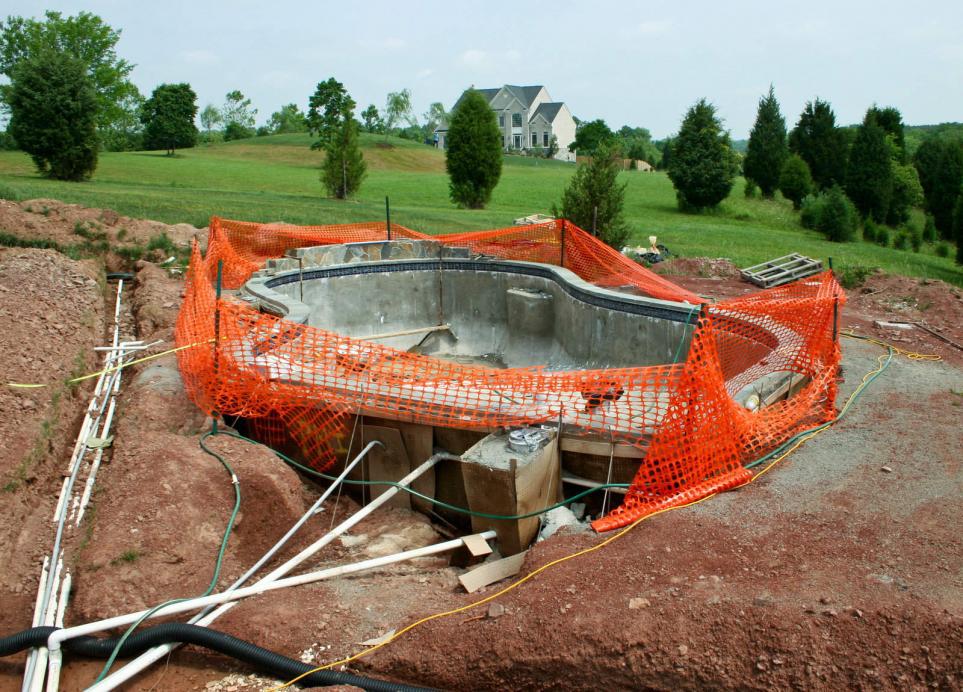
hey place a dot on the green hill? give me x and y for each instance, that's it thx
(277, 178)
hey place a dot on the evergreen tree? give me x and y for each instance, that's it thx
(474, 155)
(958, 226)
(869, 175)
(820, 143)
(927, 161)
(325, 110)
(767, 150)
(53, 114)
(371, 118)
(795, 181)
(891, 120)
(703, 166)
(344, 168)
(168, 117)
(594, 195)
(946, 187)
(907, 193)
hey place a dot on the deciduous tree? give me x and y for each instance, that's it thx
(474, 154)
(767, 150)
(397, 109)
(53, 114)
(210, 118)
(168, 117)
(288, 119)
(371, 119)
(85, 37)
(590, 135)
(238, 116)
(703, 165)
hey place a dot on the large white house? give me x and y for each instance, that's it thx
(528, 119)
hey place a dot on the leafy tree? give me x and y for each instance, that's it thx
(238, 116)
(435, 116)
(665, 147)
(869, 175)
(636, 143)
(344, 168)
(891, 120)
(85, 37)
(53, 114)
(767, 150)
(326, 110)
(168, 117)
(126, 132)
(371, 118)
(552, 148)
(907, 193)
(474, 154)
(795, 181)
(210, 118)
(397, 108)
(593, 189)
(590, 135)
(288, 119)
(820, 143)
(703, 167)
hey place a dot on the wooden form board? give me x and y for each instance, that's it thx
(490, 572)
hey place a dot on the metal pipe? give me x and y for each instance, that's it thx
(230, 598)
(148, 657)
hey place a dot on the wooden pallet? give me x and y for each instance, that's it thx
(782, 270)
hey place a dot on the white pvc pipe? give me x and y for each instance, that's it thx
(56, 657)
(95, 465)
(57, 638)
(148, 657)
(50, 615)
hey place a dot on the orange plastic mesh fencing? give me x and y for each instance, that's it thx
(301, 387)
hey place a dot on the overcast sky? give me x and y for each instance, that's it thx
(637, 63)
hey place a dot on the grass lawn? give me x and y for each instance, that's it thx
(276, 178)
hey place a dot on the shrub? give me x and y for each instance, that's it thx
(929, 229)
(839, 218)
(812, 209)
(163, 243)
(870, 231)
(943, 249)
(751, 189)
(916, 238)
(853, 276)
(901, 241)
(883, 236)
(595, 195)
(795, 181)
(474, 155)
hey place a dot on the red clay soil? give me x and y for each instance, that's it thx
(52, 310)
(840, 568)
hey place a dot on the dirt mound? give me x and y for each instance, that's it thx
(72, 224)
(703, 267)
(52, 310)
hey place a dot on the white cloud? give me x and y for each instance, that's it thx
(425, 73)
(652, 28)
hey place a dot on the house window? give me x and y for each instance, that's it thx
(516, 119)
(501, 120)
(534, 139)
(545, 139)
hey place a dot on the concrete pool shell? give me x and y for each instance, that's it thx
(425, 298)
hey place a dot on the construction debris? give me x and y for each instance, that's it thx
(781, 270)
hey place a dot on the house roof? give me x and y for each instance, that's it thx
(525, 94)
(548, 110)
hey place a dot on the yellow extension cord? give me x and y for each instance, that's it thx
(531, 575)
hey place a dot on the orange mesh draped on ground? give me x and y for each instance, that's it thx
(300, 387)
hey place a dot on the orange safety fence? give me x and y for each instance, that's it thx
(300, 387)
